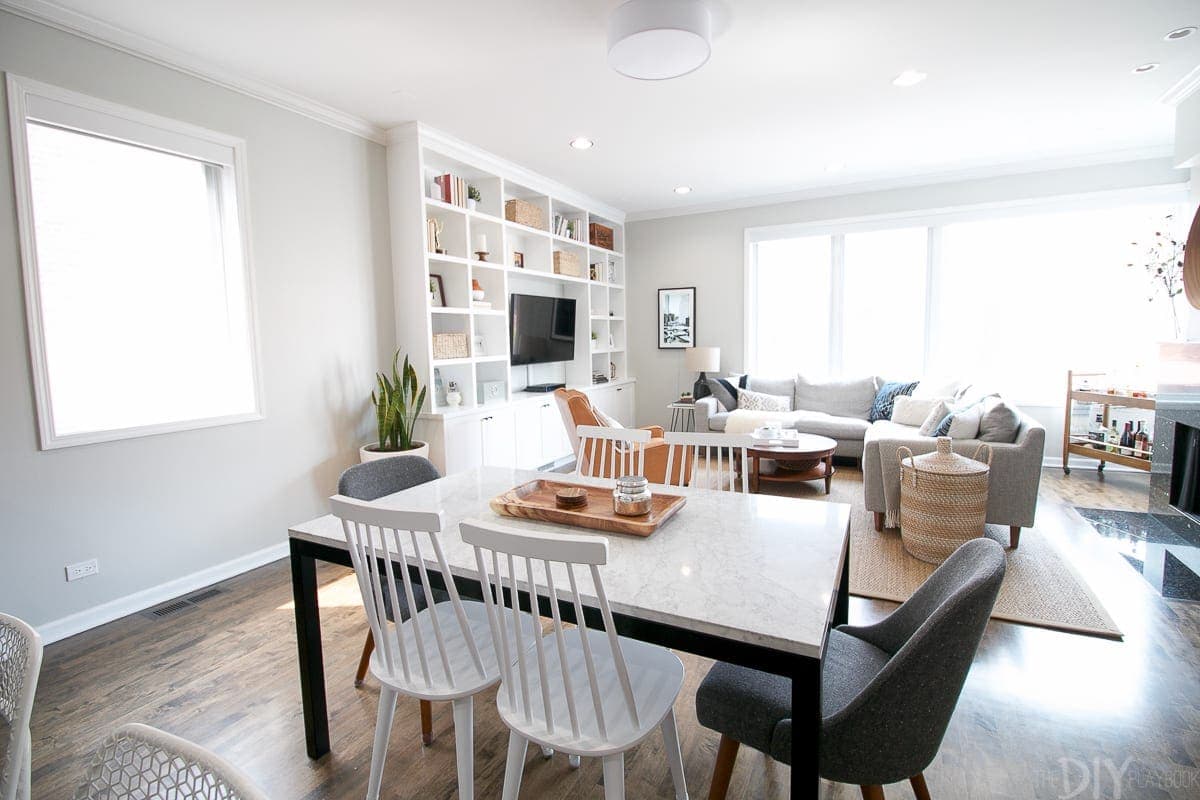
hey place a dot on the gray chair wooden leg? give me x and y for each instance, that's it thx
(918, 786)
(723, 769)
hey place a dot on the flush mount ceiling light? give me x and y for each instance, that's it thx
(910, 77)
(683, 190)
(582, 143)
(654, 40)
(1142, 69)
(1180, 33)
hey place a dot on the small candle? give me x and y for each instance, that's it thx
(481, 243)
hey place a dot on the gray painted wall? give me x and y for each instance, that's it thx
(155, 509)
(708, 251)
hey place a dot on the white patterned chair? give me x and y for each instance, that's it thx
(138, 762)
(20, 664)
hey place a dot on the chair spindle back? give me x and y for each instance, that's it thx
(611, 452)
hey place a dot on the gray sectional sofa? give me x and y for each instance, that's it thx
(840, 410)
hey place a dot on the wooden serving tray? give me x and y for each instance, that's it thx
(535, 500)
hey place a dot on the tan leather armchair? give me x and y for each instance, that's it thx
(576, 409)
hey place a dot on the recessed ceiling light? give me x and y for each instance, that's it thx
(654, 40)
(1142, 69)
(1180, 33)
(582, 143)
(683, 190)
(910, 77)
(834, 166)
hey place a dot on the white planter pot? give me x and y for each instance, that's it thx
(471, 204)
(366, 454)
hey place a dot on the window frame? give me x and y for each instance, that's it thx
(34, 101)
(933, 220)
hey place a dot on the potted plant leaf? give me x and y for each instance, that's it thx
(397, 399)
(473, 198)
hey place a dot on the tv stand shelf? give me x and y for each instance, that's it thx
(1076, 445)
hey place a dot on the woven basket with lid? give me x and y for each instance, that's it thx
(943, 500)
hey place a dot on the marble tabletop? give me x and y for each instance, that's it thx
(752, 568)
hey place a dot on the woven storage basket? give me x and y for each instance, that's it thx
(450, 345)
(943, 500)
(524, 213)
(567, 264)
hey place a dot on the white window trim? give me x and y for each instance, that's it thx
(928, 218)
(144, 129)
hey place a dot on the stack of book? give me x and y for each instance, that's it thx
(453, 188)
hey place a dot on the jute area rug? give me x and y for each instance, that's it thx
(1040, 587)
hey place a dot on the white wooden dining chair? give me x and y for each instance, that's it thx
(590, 692)
(20, 665)
(435, 654)
(611, 452)
(719, 461)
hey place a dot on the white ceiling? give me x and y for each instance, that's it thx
(791, 85)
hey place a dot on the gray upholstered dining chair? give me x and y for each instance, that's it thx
(887, 690)
(370, 481)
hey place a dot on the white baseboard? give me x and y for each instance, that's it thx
(147, 598)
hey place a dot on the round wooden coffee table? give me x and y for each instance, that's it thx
(811, 461)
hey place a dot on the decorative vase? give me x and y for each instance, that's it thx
(369, 452)
(472, 203)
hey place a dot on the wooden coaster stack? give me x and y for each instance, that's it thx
(572, 498)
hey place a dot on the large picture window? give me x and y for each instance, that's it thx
(1011, 297)
(137, 282)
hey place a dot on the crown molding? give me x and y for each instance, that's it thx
(888, 183)
(1184, 88)
(465, 151)
(156, 52)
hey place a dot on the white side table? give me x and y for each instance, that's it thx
(683, 416)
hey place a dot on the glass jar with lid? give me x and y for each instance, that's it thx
(632, 496)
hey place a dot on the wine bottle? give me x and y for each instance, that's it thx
(1127, 439)
(1097, 432)
(1113, 439)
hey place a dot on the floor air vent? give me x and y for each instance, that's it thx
(182, 604)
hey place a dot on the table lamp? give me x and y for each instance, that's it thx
(702, 360)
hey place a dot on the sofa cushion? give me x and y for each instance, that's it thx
(885, 398)
(717, 421)
(913, 410)
(999, 423)
(840, 397)
(762, 401)
(780, 386)
(822, 424)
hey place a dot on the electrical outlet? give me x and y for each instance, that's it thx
(83, 569)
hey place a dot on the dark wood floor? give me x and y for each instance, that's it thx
(1036, 703)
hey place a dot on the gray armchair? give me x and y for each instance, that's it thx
(887, 690)
(370, 481)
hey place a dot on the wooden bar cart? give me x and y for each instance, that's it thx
(1076, 445)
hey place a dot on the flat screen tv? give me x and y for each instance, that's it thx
(541, 330)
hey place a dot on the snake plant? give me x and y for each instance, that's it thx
(397, 400)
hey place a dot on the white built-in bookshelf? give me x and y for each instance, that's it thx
(416, 156)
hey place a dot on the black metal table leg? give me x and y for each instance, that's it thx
(308, 644)
(806, 729)
(841, 608)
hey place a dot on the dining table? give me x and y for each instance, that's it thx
(751, 579)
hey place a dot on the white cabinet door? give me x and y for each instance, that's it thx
(464, 444)
(527, 421)
(605, 399)
(498, 438)
(623, 405)
(555, 443)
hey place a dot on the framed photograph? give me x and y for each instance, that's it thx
(437, 292)
(677, 318)
(518, 260)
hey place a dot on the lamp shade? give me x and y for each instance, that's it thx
(702, 359)
(654, 40)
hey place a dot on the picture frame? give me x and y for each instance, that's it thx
(437, 291)
(518, 260)
(677, 318)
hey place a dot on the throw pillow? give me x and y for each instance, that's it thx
(964, 424)
(726, 389)
(934, 418)
(885, 398)
(999, 422)
(757, 401)
(605, 419)
(913, 410)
